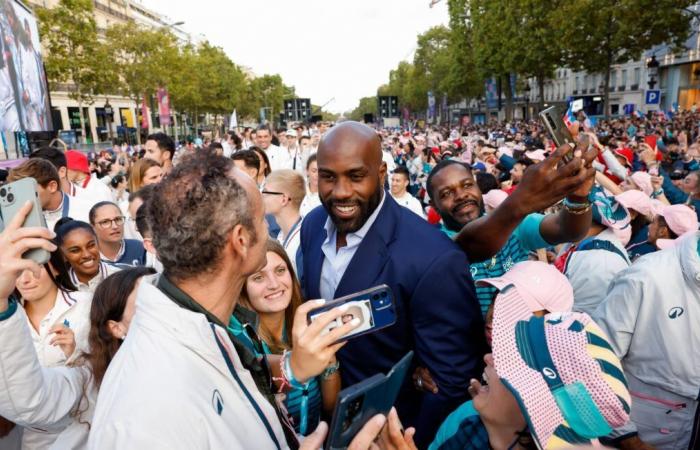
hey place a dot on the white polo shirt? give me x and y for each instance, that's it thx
(410, 202)
(72, 309)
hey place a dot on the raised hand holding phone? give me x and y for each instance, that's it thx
(14, 242)
(312, 349)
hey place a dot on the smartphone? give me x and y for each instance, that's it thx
(552, 119)
(651, 141)
(12, 197)
(374, 307)
(358, 403)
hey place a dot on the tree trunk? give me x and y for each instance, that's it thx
(510, 107)
(606, 89)
(173, 122)
(540, 88)
(196, 123)
(138, 122)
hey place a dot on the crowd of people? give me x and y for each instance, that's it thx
(547, 292)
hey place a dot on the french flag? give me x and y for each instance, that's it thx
(569, 117)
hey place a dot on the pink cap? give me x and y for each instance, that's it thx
(540, 285)
(636, 200)
(643, 182)
(681, 220)
(494, 197)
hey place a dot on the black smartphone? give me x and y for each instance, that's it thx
(374, 307)
(360, 402)
(552, 119)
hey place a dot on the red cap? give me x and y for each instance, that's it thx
(78, 161)
(627, 154)
(435, 150)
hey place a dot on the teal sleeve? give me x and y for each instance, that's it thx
(11, 309)
(452, 424)
(528, 233)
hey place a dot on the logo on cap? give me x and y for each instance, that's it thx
(549, 373)
(675, 312)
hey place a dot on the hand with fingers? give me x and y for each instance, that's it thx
(546, 183)
(15, 241)
(312, 350)
(64, 338)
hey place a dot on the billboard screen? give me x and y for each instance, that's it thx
(24, 97)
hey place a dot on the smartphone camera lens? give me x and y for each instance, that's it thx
(383, 294)
(10, 197)
(3, 192)
(375, 297)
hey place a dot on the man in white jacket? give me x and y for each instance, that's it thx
(650, 316)
(181, 380)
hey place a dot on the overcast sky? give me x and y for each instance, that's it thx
(342, 49)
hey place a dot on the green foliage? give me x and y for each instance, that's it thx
(267, 91)
(368, 105)
(73, 52)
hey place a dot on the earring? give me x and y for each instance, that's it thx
(123, 337)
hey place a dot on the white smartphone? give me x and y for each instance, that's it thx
(12, 197)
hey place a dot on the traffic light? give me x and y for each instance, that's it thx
(388, 106)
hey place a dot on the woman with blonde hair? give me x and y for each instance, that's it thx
(144, 172)
(283, 193)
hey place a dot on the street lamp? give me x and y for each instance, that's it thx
(174, 24)
(527, 90)
(108, 117)
(653, 71)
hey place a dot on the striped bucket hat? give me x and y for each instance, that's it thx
(563, 372)
(610, 213)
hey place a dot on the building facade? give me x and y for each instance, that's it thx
(65, 111)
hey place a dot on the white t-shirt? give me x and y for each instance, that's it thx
(73, 207)
(410, 202)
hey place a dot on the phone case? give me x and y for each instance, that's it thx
(552, 119)
(12, 197)
(360, 402)
(374, 306)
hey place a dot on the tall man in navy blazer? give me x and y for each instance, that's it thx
(360, 238)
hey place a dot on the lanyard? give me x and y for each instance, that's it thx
(66, 205)
(232, 369)
(293, 231)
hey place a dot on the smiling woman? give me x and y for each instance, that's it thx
(78, 244)
(274, 294)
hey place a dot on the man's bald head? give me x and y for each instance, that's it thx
(352, 136)
(350, 174)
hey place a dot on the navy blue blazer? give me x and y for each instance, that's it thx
(438, 315)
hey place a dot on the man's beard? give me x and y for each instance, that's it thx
(366, 209)
(452, 224)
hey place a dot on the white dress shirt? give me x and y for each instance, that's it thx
(336, 262)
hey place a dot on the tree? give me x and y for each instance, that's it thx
(368, 105)
(463, 79)
(73, 52)
(267, 91)
(601, 33)
(144, 59)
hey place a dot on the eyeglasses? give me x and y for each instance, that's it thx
(273, 193)
(107, 223)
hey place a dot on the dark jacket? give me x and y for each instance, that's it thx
(438, 315)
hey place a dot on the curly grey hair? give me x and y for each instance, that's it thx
(191, 212)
